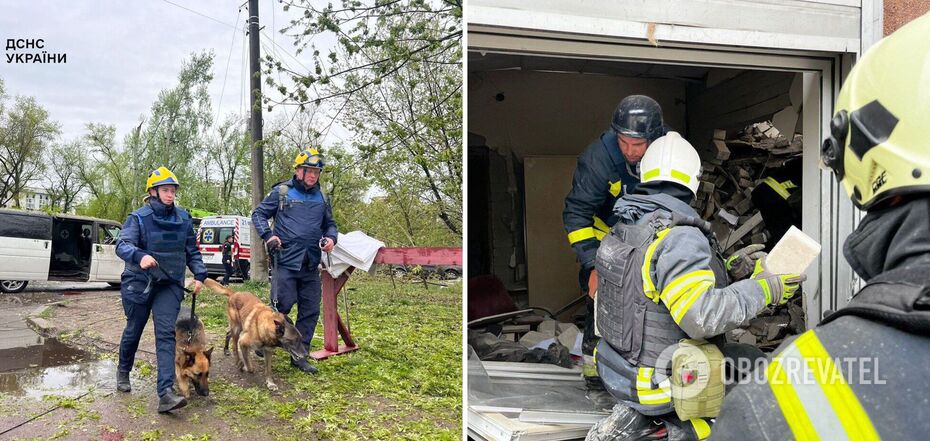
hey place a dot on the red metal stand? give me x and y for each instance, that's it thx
(333, 327)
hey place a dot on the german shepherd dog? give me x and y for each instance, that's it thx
(191, 356)
(253, 326)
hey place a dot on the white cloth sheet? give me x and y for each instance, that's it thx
(355, 249)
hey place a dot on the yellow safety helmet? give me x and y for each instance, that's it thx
(310, 157)
(161, 176)
(879, 143)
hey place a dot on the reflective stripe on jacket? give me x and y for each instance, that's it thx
(601, 177)
(858, 376)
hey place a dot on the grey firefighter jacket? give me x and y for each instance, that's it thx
(674, 285)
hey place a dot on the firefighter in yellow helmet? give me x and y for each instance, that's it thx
(303, 229)
(860, 374)
(157, 242)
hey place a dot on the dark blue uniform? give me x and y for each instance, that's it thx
(165, 233)
(601, 177)
(306, 218)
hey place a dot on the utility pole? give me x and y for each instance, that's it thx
(259, 267)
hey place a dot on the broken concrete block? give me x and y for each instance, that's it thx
(773, 331)
(745, 183)
(720, 134)
(722, 153)
(567, 336)
(743, 230)
(744, 206)
(706, 187)
(566, 326)
(728, 217)
(515, 329)
(548, 327)
(748, 339)
(734, 200)
(533, 338)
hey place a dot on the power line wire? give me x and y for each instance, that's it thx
(200, 14)
(232, 40)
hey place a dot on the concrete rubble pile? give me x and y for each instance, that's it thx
(738, 165)
(724, 199)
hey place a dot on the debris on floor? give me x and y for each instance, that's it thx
(509, 401)
(526, 338)
(767, 330)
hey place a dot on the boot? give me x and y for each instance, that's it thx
(122, 381)
(304, 365)
(169, 401)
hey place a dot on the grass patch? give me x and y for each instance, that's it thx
(144, 369)
(151, 435)
(47, 313)
(405, 381)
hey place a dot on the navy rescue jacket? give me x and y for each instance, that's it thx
(601, 178)
(165, 233)
(306, 218)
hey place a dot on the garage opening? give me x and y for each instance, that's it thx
(530, 116)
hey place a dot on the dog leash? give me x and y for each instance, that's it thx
(274, 252)
(148, 289)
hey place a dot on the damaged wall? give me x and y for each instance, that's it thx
(733, 103)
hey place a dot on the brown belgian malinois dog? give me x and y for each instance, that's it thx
(191, 356)
(253, 325)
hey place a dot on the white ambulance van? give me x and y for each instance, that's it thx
(36, 246)
(213, 230)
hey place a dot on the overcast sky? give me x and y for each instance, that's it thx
(120, 54)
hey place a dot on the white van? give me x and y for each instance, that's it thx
(36, 246)
(213, 230)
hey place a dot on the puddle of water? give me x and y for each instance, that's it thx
(52, 368)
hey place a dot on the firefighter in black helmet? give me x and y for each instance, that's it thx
(608, 169)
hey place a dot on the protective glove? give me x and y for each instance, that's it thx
(741, 263)
(777, 287)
